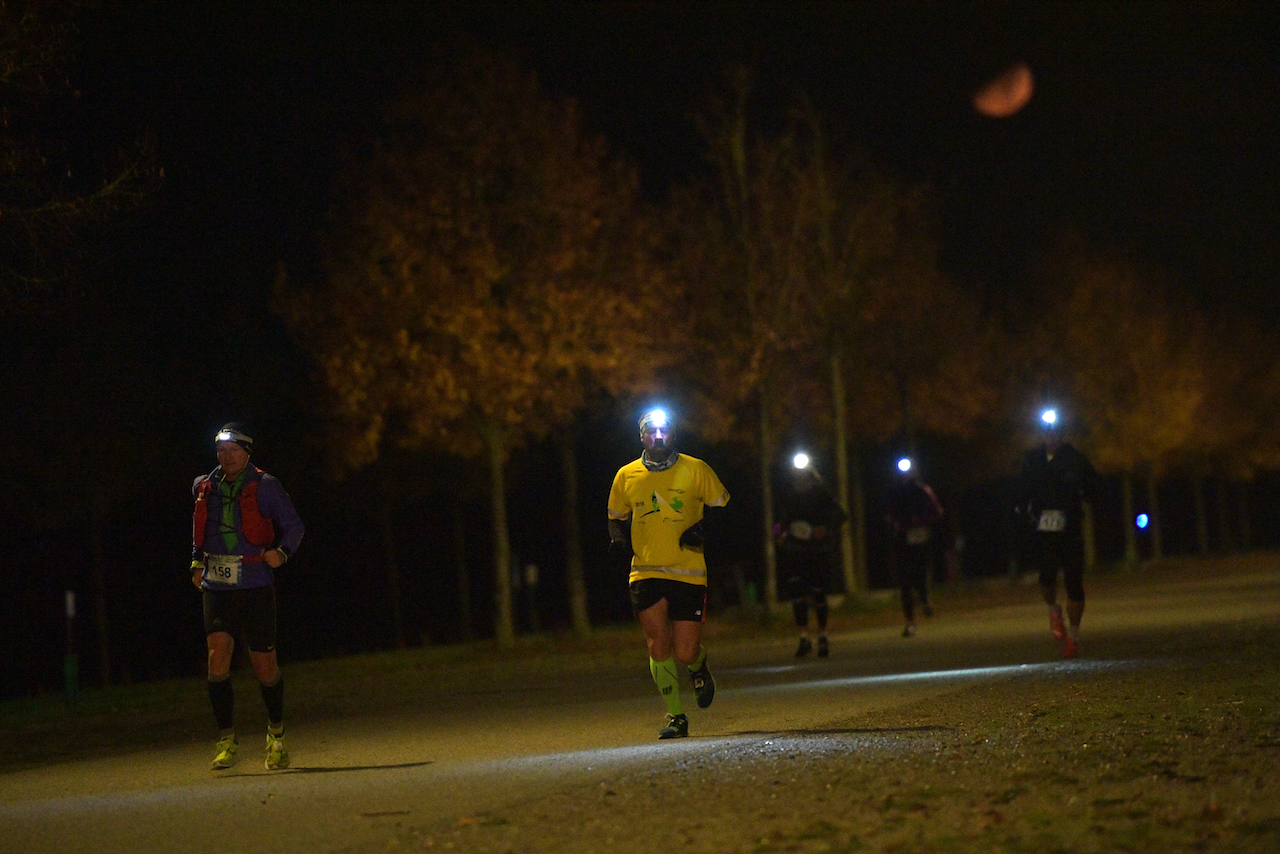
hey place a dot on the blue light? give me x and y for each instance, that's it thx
(1142, 520)
(904, 465)
(800, 460)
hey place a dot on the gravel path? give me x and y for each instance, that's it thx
(1179, 754)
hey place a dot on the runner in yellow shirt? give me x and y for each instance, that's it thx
(663, 494)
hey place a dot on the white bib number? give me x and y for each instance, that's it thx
(1053, 521)
(918, 536)
(222, 569)
(801, 529)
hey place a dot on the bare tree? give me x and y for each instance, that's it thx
(56, 198)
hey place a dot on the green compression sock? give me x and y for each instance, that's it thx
(668, 682)
(697, 663)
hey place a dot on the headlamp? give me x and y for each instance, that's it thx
(230, 433)
(654, 419)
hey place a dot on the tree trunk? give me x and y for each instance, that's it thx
(1126, 510)
(387, 513)
(495, 440)
(1244, 534)
(858, 514)
(1202, 516)
(97, 525)
(1090, 539)
(578, 613)
(1226, 538)
(766, 496)
(464, 577)
(848, 549)
(1153, 511)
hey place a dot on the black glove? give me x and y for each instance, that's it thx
(693, 536)
(619, 540)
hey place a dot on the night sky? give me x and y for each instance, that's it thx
(1153, 131)
(1153, 128)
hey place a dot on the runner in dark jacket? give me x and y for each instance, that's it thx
(1057, 479)
(913, 513)
(806, 534)
(244, 528)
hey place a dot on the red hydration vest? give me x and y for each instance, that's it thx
(257, 528)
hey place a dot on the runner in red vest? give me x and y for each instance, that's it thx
(244, 528)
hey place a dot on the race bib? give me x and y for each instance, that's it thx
(801, 529)
(917, 536)
(222, 569)
(1052, 520)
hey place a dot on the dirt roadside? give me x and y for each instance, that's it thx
(1183, 756)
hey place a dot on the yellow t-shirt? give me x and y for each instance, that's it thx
(661, 505)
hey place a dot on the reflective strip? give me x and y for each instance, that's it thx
(672, 570)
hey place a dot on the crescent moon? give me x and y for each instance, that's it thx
(1006, 94)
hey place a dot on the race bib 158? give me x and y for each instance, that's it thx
(222, 569)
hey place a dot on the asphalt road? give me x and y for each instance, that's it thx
(498, 744)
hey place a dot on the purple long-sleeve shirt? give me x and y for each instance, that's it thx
(273, 503)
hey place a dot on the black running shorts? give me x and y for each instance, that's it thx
(685, 602)
(249, 613)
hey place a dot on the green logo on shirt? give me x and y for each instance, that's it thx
(654, 501)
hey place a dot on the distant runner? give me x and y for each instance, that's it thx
(914, 515)
(806, 534)
(1056, 481)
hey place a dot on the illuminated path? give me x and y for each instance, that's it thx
(502, 745)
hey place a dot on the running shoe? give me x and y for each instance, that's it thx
(277, 755)
(1069, 649)
(805, 646)
(704, 685)
(909, 630)
(1056, 627)
(225, 756)
(677, 727)
(823, 649)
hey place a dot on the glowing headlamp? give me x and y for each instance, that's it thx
(654, 419)
(227, 435)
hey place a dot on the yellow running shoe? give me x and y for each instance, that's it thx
(226, 753)
(277, 756)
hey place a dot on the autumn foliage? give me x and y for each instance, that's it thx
(483, 269)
